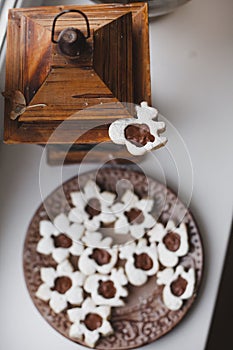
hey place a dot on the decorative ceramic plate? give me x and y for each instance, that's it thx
(144, 318)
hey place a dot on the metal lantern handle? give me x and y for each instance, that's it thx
(67, 11)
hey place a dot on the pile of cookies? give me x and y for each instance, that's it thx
(97, 282)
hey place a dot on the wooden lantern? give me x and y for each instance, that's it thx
(85, 94)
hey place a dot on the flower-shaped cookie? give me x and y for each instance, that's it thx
(141, 261)
(60, 238)
(141, 134)
(61, 286)
(173, 242)
(133, 215)
(92, 206)
(107, 289)
(89, 322)
(98, 256)
(179, 285)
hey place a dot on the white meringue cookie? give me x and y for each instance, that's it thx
(145, 115)
(138, 276)
(131, 202)
(169, 258)
(79, 329)
(80, 200)
(169, 276)
(60, 226)
(117, 279)
(59, 301)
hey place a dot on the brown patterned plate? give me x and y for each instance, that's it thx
(144, 318)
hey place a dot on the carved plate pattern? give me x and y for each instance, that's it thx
(144, 318)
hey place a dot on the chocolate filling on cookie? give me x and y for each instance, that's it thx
(101, 256)
(178, 286)
(93, 207)
(172, 241)
(62, 241)
(107, 289)
(143, 261)
(62, 284)
(138, 134)
(93, 321)
(135, 216)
